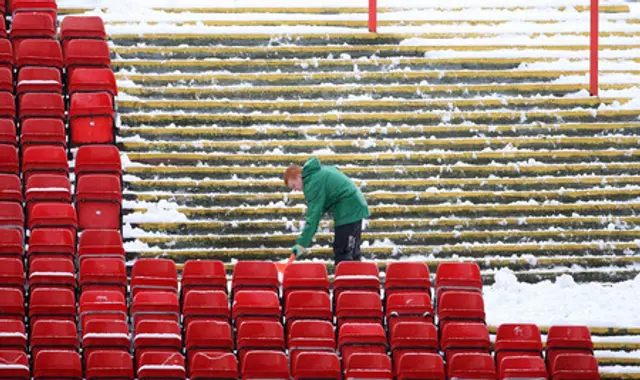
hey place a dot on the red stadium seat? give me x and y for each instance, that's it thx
(105, 334)
(91, 118)
(356, 275)
(11, 304)
(103, 364)
(523, 367)
(3, 27)
(93, 79)
(38, 79)
(47, 6)
(154, 336)
(46, 188)
(103, 273)
(41, 105)
(204, 366)
(100, 243)
(316, 365)
(211, 338)
(310, 335)
(11, 216)
(457, 276)
(53, 273)
(11, 273)
(259, 335)
(32, 25)
(52, 303)
(260, 275)
(53, 335)
(10, 188)
(262, 305)
(13, 335)
(86, 53)
(567, 340)
(99, 202)
(460, 305)
(38, 52)
(203, 275)
(464, 337)
(9, 159)
(14, 365)
(205, 305)
(420, 366)
(6, 78)
(405, 276)
(354, 338)
(91, 27)
(412, 337)
(53, 215)
(358, 306)
(57, 364)
(155, 305)
(51, 242)
(102, 305)
(11, 240)
(575, 367)
(265, 365)
(408, 307)
(7, 105)
(8, 134)
(305, 276)
(368, 366)
(154, 274)
(6, 54)
(471, 366)
(44, 159)
(308, 304)
(164, 365)
(98, 159)
(36, 131)
(513, 339)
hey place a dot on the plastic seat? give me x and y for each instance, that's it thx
(53, 215)
(203, 275)
(7, 105)
(51, 243)
(44, 159)
(255, 305)
(265, 365)
(52, 303)
(567, 339)
(517, 339)
(259, 335)
(11, 216)
(305, 276)
(420, 366)
(523, 367)
(412, 337)
(260, 275)
(208, 337)
(93, 79)
(8, 133)
(354, 338)
(207, 305)
(86, 53)
(32, 25)
(13, 335)
(310, 335)
(57, 364)
(53, 335)
(14, 365)
(91, 27)
(575, 367)
(102, 305)
(52, 272)
(308, 304)
(358, 306)
(368, 366)
(316, 365)
(38, 52)
(98, 159)
(11, 273)
(3, 27)
(41, 105)
(155, 305)
(99, 202)
(154, 274)
(163, 365)
(91, 118)
(103, 273)
(461, 337)
(100, 243)
(471, 366)
(10, 188)
(105, 334)
(204, 366)
(36, 131)
(11, 304)
(457, 276)
(356, 275)
(46, 6)
(46, 188)
(460, 305)
(6, 78)
(408, 307)
(407, 277)
(156, 336)
(102, 364)
(9, 156)
(11, 240)
(6, 54)
(38, 79)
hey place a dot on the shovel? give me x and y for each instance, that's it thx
(282, 265)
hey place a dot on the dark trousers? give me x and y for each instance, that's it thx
(346, 243)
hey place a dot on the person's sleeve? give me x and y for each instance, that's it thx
(315, 209)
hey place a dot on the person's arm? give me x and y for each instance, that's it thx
(315, 209)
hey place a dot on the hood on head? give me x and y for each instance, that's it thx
(311, 166)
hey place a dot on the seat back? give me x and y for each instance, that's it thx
(412, 337)
(38, 79)
(471, 366)
(203, 366)
(259, 335)
(105, 334)
(11, 239)
(464, 337)
(11, 217)
(358, 306)
(575, 367)
(461, 306)
(406, 276)
(75, 27)
(255, 305)
(155, 305)
(523, 367)
(11, 304)
(99, 201)
(12, 335)
(10, 188)
(86, 53)
(166, 365)
(517, 339)
(356, 338)
(98, 159)
(51, 242)
(14, 365)
(57, 364)
(205, 305)
(100, 243)
(155, 336)
(11, 273)
(209, 337)
(265, 365)
(42, 105)
(52, 303)
(305, 276)
(258, 275)
(356, 275)
(368, 366)
(112, 364)
(47, 188)
(420, 366)
(38, 52)
(203, 275)
(9, 163)
(403, 306)
(102, 304)
(567, 339)
(53, 335)
(103, 273)
(154, 274)
(310, 335)
(308, 304)
(56, 272)
(459, 276)
(93, 79)
(316, 365)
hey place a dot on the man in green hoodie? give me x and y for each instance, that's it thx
(327, 189)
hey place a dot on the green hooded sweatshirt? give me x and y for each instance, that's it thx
(327, 189)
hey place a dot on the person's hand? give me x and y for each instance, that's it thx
(299, 250)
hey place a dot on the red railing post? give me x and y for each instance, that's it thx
(595, 12)
(373, 16)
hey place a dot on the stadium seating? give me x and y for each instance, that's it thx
(457, 276)
(10, 188)
(41, 105)
(11, 273)
(100, 243)
(358, 306)
(356, 338)
(567, 340)
(11, 216)
(304, 276)
(261, 305)
(522, 367)
(11, 240)
(316, 365)
(46, 188)
(52, 303)
(517, 340)
(575, 367)
(11, 304)
(203, 366)
(6, 54)
(44, 159)
(471, 366)
(156, 336)
(58, 272)
(37, 131)
(57, 364)
(310, 335)
(155, 305)
(368, 366)
(355, 275)
(51, 243)
(38, 79)
(108, 364)
(13, 335)
(420, 366)
(464, 337)
(407, 277)
(95, 79)
(412, 337)
(46, 6)
(408, 307)
(105, 334)
(203, 275)
(103, 274)
(265, 365)
(308, 304)
(97, 159)
(8, 134)
(53, 215)
(208, 337)
(258, 275)
(15, 365)
(53, 335)
(91, 118)
(38, 52)
(9, 154)
(86, 53)
(102, 305)
(259, 335)
(99, 202)
(154, 274)
(166, 365)
(79, 27)
(32, 25)
(211, 305)
(460, 305)
(7, 106)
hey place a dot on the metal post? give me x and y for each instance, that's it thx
(593, 85)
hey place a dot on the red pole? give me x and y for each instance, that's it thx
(593, 87)
(373, 15)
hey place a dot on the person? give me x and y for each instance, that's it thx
(327, 189)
